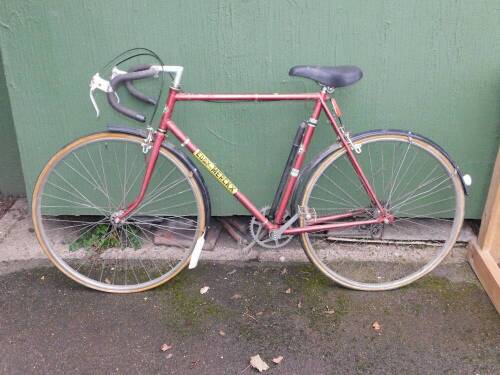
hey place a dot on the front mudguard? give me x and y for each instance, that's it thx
(181, 156)
(313, 164)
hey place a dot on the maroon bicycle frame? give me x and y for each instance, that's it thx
(320, 99)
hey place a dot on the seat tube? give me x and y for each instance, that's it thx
(299, 160)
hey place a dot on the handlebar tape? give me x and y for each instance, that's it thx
(115, 82)
(133, 91)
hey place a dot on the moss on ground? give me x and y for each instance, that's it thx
(314, 305)
(185, 309)
(448, 292)
(324, 304)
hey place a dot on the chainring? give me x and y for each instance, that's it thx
(261, 235)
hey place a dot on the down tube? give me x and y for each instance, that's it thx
(218, 174)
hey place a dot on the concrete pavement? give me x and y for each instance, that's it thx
(48, 324)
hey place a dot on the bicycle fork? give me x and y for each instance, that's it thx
(153, 151)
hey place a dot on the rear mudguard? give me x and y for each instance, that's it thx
(313, 164)
(181, 156)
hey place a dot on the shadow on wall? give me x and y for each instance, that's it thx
(11, 174)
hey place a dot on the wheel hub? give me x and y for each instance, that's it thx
(115, 219)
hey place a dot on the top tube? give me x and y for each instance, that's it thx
(181, 96)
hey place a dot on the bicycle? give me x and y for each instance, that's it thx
(125, 211)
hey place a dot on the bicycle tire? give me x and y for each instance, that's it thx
(347, 253)
(141, 225)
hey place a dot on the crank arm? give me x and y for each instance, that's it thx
(278, 233)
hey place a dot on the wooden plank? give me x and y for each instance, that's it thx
(489, 234)
(484, 252)
(234, 230)
(487, 272)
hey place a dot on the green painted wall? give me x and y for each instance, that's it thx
(11, 175)
(430, 66)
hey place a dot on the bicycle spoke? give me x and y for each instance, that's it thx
(156, 198)
(351, 199)
(397, 173)
(79, 193)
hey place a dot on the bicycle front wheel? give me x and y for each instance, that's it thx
(93, 179)
(414, 181)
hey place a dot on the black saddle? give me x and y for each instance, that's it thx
(331, 76)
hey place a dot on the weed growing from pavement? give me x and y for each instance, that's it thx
(102, 237)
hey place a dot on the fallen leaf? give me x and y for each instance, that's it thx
(204, 289)
(376, 326)
(231, 272)
(166, 347)
(42, 278)
(169, 355)
(107, 281)
(299, 305)
(222, 333)
(329, 312)
(278, 359)
(260, 313)
(236, 296)
(288, 291)
(257, 363)
(284, 271)
(250, 316)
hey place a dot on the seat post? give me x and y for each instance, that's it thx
(327, 89)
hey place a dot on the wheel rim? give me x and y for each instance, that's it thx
(415, 183)
(92, 180)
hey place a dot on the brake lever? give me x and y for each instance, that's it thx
(99, 83)
(92, 99)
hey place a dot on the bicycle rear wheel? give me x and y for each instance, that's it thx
(415, 182)
(92, 179)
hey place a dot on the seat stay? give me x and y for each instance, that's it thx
(352, 158)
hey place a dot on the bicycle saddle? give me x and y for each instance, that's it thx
(331, 76)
